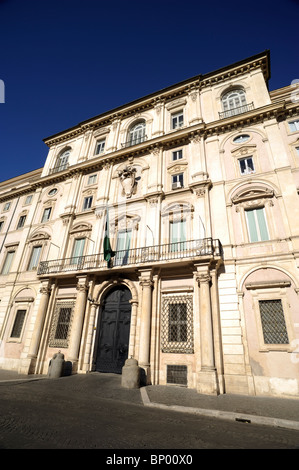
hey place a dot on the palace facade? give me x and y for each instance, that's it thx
(195, 190)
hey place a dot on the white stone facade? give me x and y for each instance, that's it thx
(200, 181)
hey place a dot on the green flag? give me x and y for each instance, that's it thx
(108, 253)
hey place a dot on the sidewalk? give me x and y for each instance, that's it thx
(277, 412)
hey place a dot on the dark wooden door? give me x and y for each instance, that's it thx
(114, 332)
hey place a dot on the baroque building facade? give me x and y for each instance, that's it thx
(195, 189)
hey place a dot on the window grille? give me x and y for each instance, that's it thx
(176, 375)
(18, 324)
(60, 328)
(273, 322)
(177, 324)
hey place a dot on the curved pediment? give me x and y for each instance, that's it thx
(254, 192)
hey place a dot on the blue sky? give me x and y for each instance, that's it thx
(66, 61)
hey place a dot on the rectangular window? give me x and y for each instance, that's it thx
(1, 225)
(28, 199)
(100, 146)
(78, 250)
(273, 322)
(294, 125)
(92, 179)
(177, 120)
(177, 155)
(34, 258)
(18, 324)
(177, 324)
(123, 247)
(7, 263)
(21, 222)
(46, 214)
(178, 235)
(257, 226)
(297, 151)
(7, 206)
(87, 203)
(61, 324)
(246, 165)
(177, 181)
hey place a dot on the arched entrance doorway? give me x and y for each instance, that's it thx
(113, 339)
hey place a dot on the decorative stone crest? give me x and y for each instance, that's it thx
(128, 181)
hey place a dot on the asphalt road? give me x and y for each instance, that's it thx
(82, 413)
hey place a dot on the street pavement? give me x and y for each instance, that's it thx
(268, 411)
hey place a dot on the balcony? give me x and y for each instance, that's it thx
(131, 142)
(235, 111)
(56, 169)
(192, 249)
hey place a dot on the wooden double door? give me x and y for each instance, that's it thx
(114, 332)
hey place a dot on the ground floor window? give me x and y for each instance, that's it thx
(18, 324)
(177, 324)
(61, 323)
(273, 322)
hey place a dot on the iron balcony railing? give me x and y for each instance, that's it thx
(131, 142)
(56, 169)
(234, 111)
(146, 255)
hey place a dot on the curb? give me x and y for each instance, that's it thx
(228, 415)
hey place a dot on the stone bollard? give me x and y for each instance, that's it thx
(56, 366)
(130, 374)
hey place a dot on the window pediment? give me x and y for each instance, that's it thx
(253, 194)
(243, 150)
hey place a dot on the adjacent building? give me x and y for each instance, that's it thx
(166, 230)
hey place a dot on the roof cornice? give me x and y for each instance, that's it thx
(261, 60)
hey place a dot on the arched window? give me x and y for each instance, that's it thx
(234, 102)
(137, 133)
(62, 161)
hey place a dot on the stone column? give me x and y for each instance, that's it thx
(145, 328)
(207, 378)
(134, 305)
(77, 324)
(45, 291)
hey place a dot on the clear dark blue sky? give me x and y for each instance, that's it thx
(64, 61)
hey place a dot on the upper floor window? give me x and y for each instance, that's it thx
(246, 165)
(7, 206)
(1, 225)
(100, 146)
(87, 203)
(234, 102)
(28, 199)
(177, 120)
(177, 181)
(177, 155)
(137, 134)
(34, 258)
(257, 226)
(294, 125)
(21, 222)
(8, 261)
(46, 214)
(62, 161)
(92, 179)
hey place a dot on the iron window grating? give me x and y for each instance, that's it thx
(176, 374)
(61, 323)
(273, 322)
(18, 324)
(177, 324)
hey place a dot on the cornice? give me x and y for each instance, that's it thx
(174, 91)
(279, 111)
